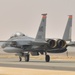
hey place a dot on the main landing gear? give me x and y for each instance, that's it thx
(47, 57)
(26, 57)
(20, 58)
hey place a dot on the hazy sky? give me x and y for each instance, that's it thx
(25, 16)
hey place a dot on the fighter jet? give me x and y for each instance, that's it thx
(23, 45)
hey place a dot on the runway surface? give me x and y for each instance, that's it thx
(39, 64)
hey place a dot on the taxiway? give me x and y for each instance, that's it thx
(57, 64)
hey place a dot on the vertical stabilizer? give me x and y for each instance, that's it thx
(68, 30)
(42, 29)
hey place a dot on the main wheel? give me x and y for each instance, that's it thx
(27, 57)
(20, 59)
(47, 58)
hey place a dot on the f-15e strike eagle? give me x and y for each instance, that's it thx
(23, 45)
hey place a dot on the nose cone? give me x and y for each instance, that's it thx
(12, 50)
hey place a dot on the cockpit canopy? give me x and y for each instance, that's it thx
(17, 34)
